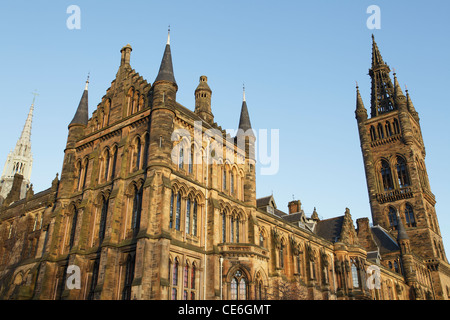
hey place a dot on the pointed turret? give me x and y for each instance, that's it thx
(166, 69)
(399, 97)
(244, 120)
(360, 112)
(410, 106)
(382, 88)
(82, 114)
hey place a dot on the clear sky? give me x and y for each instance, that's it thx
(299, 61)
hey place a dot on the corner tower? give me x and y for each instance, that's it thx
(394, 160)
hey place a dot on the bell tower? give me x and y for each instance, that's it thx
(394, 161)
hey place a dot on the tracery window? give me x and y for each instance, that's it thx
(386, 175)
(238, 286)
(409, 215)
(402, 172)
(393, 222)
(355, 278)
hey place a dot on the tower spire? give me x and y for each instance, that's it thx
(244, 120)
(382, 89)
(166, 69)
(81, 115)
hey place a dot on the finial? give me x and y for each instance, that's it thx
(243, 92)
(393, 69)
(34, 98)
(357, 87)
(406, 88)
(87, 81)
(168, 35)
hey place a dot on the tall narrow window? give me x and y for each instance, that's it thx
(380, 131)
(232, 183)
(73, 228)
(138, 153)
(387, 126)
(234, 289)
(113, 171)
(193, 275)
(242, 289)
(355, 276)
(232, 229)
(261, 239)
(402, 172)
(282, 256)
(386, 175)
(129, 276)
(393, 218)
(191, 160)
(224, 227)
(106, 166)
(194, 219)
(174, 279)
(409, 215)
(237, 229)
(86, 167)
(188, 216)
(178, 212)
(137, 206)
(181, 158)
(80, 170)
(171, 211)
(396, 127)
(186, 276)
(102, 227)
(224, 179)
(373, 134)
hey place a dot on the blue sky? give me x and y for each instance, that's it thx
(299, 61)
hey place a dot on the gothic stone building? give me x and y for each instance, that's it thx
(143, 211)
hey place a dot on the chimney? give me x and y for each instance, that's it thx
(294, 206)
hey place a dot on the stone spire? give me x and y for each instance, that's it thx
(382, 88)
(166, 69)
(19, 160)
(361, 112)
(82, 115)
(410, 106)
(244, 120)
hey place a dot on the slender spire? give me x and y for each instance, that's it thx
(26, 132)
(244, 121)
(382, 88)
(166, 68)
(410, 105)
(81, 115)
(359, 101)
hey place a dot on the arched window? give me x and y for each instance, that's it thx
(355, 276)
(191, 160)
(86, 167)
(181, 158)
(188, 216)
(380, 131)
(231, 182)
(171, 210)
(281, 252)
(105, 177)
(261, 239)
(193, 277)
(396, 266)
(102, 227)
(232, 229)
(237, 228)
(73, 228)
(137, 206)
(113, 171)
(396, 127)
(392, 215)
(194, 219)
(402, 172)
(138, 153)
(373, 134)
(178, 212)
(386, 175)
(224, 179)
(409, 215)
(238, 286)
(224, 227)
(388, 129)
(175, 279)
(129, 276)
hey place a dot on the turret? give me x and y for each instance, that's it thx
(203, 100)
(246, 141)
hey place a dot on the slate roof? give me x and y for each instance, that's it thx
(166, 68)
(384, 241)
(330, 229)
(244, 121)
(82, 113)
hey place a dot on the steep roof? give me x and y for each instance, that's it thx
(166, 68)
(384, 241)
(82, 113)
(330, 229)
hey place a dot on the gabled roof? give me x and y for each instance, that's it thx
(330, 229)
